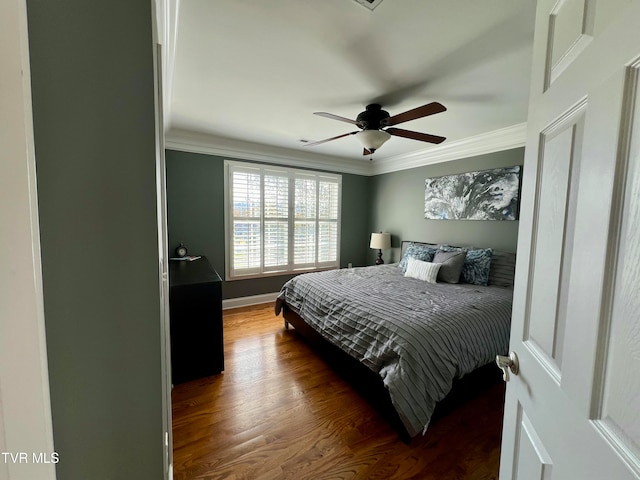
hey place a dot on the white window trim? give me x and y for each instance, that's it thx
(262, 271)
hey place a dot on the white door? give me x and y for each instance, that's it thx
(165, 334)
(161, 201)
(164, 25)
(573, 411)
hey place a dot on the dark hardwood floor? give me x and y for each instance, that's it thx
(279, 412)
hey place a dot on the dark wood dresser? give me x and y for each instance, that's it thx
(195, 301)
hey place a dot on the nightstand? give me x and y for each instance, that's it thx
(195, 302)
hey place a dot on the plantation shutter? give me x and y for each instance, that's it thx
(328, 201)
(280, 220)
(246, 198)
(276, 220)
(304, 241)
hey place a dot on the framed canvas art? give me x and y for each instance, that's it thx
(483, 195)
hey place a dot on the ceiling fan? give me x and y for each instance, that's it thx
(376, 126)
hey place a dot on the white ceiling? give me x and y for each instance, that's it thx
(248, 74)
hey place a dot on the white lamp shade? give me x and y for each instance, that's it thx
(372, 139)
(380, 240)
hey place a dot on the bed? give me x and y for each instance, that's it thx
(409, 339)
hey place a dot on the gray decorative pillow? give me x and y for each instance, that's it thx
(502, 271)
(452, 263)
(418, 251)
(477, 266)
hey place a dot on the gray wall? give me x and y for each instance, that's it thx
(398, 207)
(195, 204)
(92, 79)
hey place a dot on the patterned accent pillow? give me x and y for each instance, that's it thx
(418, 251)
(425, 271)
(477, 266)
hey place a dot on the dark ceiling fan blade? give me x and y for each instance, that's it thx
(400, 93)
(336, 117)
(423, 137)
(328, 139)
(365, 55)
(419, 112)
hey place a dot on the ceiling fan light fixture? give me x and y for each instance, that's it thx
(374, 119)
(372, 139)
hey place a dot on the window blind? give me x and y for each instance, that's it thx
(280, 220)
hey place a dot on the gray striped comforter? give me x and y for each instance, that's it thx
(418, 336)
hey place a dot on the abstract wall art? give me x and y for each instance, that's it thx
(483, 195)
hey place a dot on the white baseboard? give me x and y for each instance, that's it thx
(250, 300)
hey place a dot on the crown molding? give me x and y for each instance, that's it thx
(225, 147)
(495, 141)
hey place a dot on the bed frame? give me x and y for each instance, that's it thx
(363, 379)
(369, 384)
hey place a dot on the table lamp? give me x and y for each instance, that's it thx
(380, 241)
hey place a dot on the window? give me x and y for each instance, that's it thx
(280, 219)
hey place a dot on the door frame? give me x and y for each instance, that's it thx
(25, 405)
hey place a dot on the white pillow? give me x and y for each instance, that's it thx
(426, 271)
